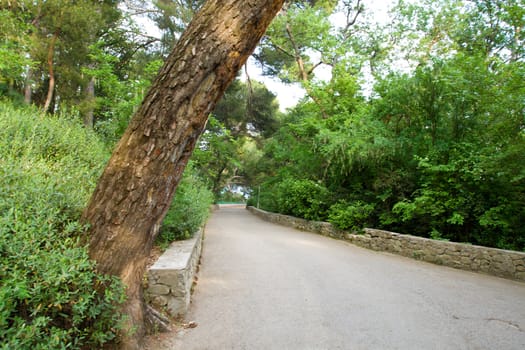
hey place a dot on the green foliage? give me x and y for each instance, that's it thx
(230, 144)
(50, 295)
(438, 151)
(302, 198)
(189, 209)
(350, 216)
(117, 99)
(54, 36)
(464, 200)
(300, 23)
(231, 197)
(217, 157)
(13, 45)
(247, 109)
(172, 18)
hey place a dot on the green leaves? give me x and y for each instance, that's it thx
(14, 42)
(189, 209)
(51, 39)
(438, 152)
(50, 294)
(352, 216)
(302, 198)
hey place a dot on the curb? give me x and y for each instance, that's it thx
(491, 261)
(170, 279)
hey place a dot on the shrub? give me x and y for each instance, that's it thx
(353, 216)
(189, 209)
(264, 196)
(50, 295)
(302, 198)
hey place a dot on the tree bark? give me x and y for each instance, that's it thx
(50, 64)
(90, 100)
(136, 188)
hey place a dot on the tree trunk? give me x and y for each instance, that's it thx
(50, 64)
(27, 87)
(136, 188)
(90, 100)
(304, 76)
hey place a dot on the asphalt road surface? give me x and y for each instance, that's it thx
(264, 286)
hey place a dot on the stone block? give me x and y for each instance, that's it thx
(520, 276)
(158, 289)
(465, 261)
(418, 254)
(475, 264)
(171, 277)
(177, 306)
(396, 246)
(159, 300)
(519, 257)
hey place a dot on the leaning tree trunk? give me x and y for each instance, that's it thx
(136, 188)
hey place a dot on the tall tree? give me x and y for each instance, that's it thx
(217, 156)
(136, 188)
(172, 17)
(60, 33)
(14, 43)
(304, 42)
(248, 109)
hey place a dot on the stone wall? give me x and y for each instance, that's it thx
(497, 262)
(170, 279)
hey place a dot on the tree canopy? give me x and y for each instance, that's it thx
(433, 150)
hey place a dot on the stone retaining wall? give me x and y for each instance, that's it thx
(497, 262)
(170, 279)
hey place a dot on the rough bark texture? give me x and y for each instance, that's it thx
(136, 188)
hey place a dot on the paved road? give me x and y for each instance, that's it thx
(263, 286)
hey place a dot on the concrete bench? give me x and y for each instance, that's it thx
(170, 279)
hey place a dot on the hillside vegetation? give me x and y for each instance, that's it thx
(50, 295)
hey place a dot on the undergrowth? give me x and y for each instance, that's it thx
(50, 295)
(188, 211)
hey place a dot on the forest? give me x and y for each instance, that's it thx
(414, 124)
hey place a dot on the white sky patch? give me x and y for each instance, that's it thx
(287, 94)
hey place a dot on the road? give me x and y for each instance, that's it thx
(264, 286)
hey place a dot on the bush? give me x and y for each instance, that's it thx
(189, 209)
(302, 198)
(50, 295)
(350, 216)
(264, 196)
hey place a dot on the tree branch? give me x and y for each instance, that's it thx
(351, 22)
